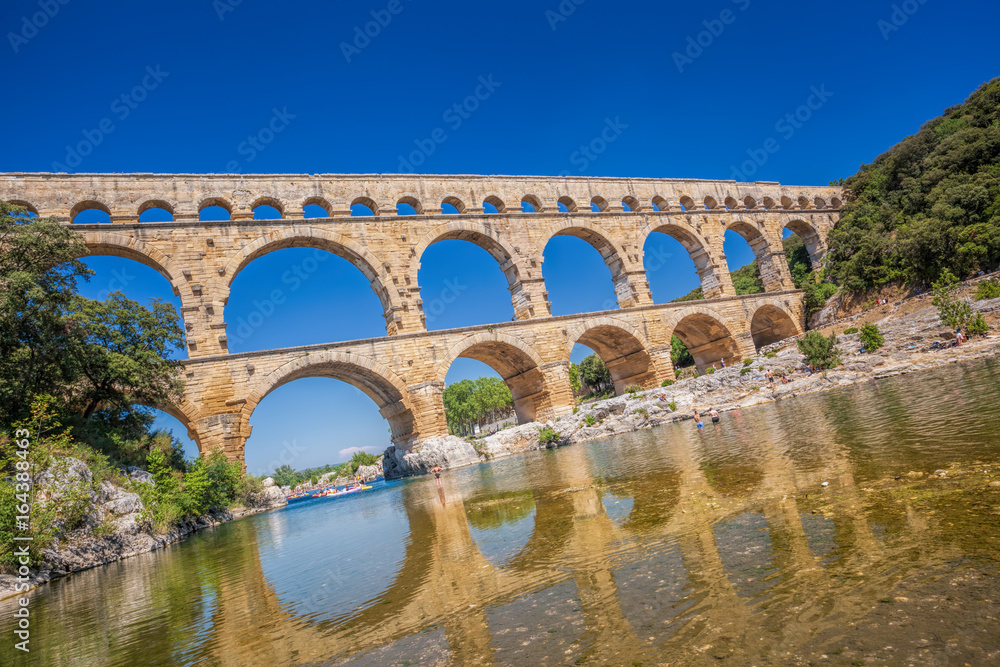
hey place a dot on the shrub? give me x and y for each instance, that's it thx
(954, 312)
(771, 355)
(871, 338)
(747, 362)
(633, 389)
(589, 420)
(710, 370)
(851, 330)
(362, 459)
(977, 325)
(818, 350)
(642, 412)
(666, 383)
(761, 368)
(576, 409)
(548, 437)
(673, 406)
(744, 371)
(677, 373)
(988, 289)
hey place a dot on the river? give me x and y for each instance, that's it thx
(815, 530)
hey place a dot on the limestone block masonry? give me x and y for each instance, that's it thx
(511, 217)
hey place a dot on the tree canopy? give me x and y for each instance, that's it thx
(930, 203)
(471, 401)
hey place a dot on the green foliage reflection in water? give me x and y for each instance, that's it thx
(489, 512)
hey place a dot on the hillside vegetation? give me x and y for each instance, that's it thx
(930, 203)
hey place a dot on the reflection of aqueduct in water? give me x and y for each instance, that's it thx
(445, 583)
(404, 372)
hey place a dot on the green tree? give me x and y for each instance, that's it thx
(819, 350)
(574, 378)
(954, 312)
(870, 337)
(679, 354)
(596, 375)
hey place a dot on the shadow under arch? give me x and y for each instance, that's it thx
(319, 240)
(770, 274)
(811, 238)
(518, 365)
(621, 347)
(770, 324)
(705, 335)
(484, 235)
(377, 382)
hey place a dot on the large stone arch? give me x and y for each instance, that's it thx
(771, 323)
(186, 413)
(311, 237)
(91, 202)
(708, 335)
(515, 361)
(622, 347)
(376, 380)
(216, 200)
(611, 252)
(488, 236)
(770, 260)
(810, 235)
(128, 247)
(711, 272)
(157, 202)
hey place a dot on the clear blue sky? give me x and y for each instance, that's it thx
(222, 69)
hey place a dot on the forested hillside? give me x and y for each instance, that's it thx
(930, 203)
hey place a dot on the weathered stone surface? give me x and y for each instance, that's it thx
(447, 452)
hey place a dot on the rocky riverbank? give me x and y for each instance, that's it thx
(111, 523)
(910, 327)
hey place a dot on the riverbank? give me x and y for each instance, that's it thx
(910, 326)
(110, 522)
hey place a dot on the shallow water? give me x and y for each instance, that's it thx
(662, 546)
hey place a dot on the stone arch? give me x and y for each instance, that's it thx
(836, 202)
(710, 203)
(770, 324)
(819, 202)
(411, 201)
(706, 334)
(533, 201)
(454, 201)
(774, 276)
(660, 203)
(749, 202)
(804, 202)
(166, 205)
(731, 203)
(515, 361)
(309, 237)
(366, 201)
(221, 202)
(376, 380)
(633, 204)
(600, 202)
(611, 253)
(622, 347)
(93, 202)
(321, 202)
(769, 203)
(688, 203)
(568, 202)
(126, 247)
(186, 413)
(787, 203)
(810, 236)
(483, 235)
(495, 201)
(24, 203)
(274, 203)
(698, 249)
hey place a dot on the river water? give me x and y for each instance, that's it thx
(815, 530)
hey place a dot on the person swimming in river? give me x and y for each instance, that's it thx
(698, 421)
(714, 414)
(437, 470)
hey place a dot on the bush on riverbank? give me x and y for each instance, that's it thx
(819, 350)
(870, 337)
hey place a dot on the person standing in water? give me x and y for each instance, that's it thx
(437, 470)
(714, 414)
(698, 421)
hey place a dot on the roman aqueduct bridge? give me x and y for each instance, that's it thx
(511, 217)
